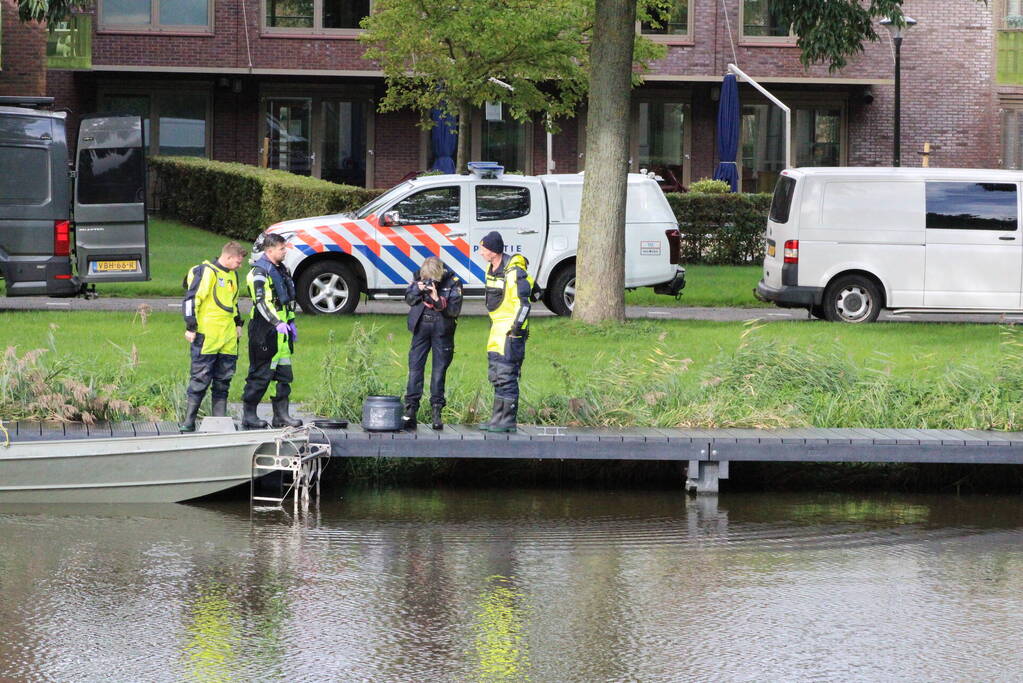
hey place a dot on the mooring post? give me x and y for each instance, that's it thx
(703, 475)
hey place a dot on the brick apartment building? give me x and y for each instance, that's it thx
(282, 83)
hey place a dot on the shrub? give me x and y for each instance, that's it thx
(721, 228)
(708, 186)
(239, 200)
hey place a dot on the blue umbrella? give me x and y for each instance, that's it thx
(728, 133)
(444, 138)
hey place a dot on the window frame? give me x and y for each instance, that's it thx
(762, 41)
(318, 93)
(110, 89)
(1007, 109)
(1001, 10)
(525, 150)
(672, 38)
(685, 98)
(154, 25)
(315, 30)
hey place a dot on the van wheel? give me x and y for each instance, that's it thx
(328, 287)
(560, 297)
(852, 299)
(817, 311)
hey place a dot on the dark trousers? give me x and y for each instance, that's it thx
(505, 369)
(435, 335)
(262, 349)
(209, 368)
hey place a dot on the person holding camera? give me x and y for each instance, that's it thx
(435, 297)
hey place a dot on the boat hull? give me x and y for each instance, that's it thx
(149, 469)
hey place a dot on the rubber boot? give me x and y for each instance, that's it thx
(506, 421)
(191, 411)
(220, 407)
(438, 418)
(495, 415)
(408, 419)
(250, 420)
(281, 416)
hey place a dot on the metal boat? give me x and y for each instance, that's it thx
(149, 468)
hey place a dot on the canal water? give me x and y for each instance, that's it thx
(544, 585)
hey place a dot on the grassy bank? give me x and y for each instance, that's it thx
(176, 247)
(667, 373)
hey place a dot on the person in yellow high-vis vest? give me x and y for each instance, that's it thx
(508, 292)
(272, 334)
(212, 327)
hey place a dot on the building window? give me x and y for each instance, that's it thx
(174, 123)
(817, 140)
(1013, 16)
(156, 15)
(505, 142)
(314, 16)
(761, 21)
(1012, 139)
(661, 141)
(672, 20)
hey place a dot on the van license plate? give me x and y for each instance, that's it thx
(115, 266)
(770, 249)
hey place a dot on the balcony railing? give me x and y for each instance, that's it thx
(69, 45)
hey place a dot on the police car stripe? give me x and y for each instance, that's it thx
(424, 239)
(363, 237)
(395, 240)
(459, 243)
(397, 253)
(384, 269)
(467, 263)
(337, 239)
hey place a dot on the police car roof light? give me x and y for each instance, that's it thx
(486, 170)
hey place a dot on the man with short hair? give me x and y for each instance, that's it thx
(213, 326)
(508, 293)
(272, 334)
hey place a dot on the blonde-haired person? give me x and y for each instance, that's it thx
(212, 328)
(435, 298)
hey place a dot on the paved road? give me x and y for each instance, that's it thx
(476, 308)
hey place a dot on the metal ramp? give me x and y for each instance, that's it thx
(298, 463)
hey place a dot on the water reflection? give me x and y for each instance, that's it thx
(505, 585)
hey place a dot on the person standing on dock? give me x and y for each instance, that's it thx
(213, 326)
(508, 294)
(272, 334)
(435, 297)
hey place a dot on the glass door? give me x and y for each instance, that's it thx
(344, 142)
(287, 135)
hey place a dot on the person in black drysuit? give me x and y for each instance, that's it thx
(272, 334)
(435, 297)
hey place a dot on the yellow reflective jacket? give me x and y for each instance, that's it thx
(507, 298)
(210, 307)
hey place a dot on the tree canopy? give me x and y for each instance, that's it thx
(49, 11)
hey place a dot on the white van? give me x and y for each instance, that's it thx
(848, 242)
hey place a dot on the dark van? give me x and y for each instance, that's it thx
(64, 227)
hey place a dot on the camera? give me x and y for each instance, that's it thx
(428, 282)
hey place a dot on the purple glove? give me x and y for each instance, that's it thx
(293, 331)
(282, 328)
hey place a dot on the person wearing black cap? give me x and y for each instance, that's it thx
(508, 291)
(435, 298)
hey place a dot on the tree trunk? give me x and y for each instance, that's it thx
(600, 264)
(464, 117)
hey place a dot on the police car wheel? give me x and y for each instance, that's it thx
(561, 295)
(328, 288)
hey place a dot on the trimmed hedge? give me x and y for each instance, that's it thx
(721, 229)
(239, 200)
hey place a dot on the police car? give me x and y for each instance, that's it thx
(375, 250)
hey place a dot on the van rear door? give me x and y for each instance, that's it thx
(111, 229)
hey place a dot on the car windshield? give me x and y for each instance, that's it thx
(383, 200)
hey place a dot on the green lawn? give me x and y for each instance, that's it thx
(707, 286)
(564, 358)
(175, 247)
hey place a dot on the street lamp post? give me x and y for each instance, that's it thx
(897, 29)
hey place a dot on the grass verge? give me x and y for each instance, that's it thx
(644, 372)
